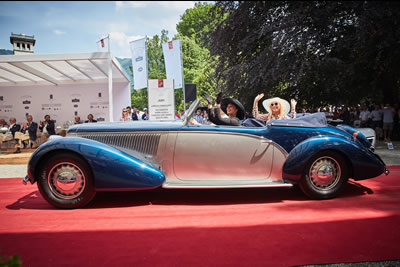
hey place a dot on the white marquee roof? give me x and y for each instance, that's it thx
(56, 69)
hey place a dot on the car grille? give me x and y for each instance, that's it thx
(141, 142)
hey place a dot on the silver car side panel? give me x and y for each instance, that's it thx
(216, 160)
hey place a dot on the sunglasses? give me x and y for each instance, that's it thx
(276, 104)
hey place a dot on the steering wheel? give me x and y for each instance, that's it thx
(189, 113)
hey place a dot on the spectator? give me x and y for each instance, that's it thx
(139, 114)
(376, 116)
(364, 116)
(129, 111)
(3, 123)
(145, 115)
(198, 117)
(31, 127)
(345, 115)
(182, 115)
(90, 119)
(47, 127)
(206, 120)
(77, 120)
(388, 114)
(125, 116)
(14, 128)
(135, 116)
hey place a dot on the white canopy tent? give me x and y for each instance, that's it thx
(63, 86)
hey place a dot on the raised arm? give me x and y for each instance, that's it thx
(263, 117)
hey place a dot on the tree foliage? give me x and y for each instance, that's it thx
(194, 28)
(199, 22)
(318, 51)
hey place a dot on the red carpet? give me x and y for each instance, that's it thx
(241, 227)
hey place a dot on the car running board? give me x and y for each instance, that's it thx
(222, 184)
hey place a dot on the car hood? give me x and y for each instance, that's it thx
(127, 126)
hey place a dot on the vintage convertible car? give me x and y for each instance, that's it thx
(144, 155)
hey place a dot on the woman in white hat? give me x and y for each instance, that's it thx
(276, 107)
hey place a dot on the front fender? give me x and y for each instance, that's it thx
(111, 168)
(363, 163)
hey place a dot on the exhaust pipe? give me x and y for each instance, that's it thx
(25, 180)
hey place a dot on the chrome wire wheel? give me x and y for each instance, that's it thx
(66, 180)
(325, 173)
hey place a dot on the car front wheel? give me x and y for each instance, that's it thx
(325, 175)
(66, 181)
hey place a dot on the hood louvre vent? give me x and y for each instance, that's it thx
(144, 143)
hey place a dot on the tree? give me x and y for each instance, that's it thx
(194, 29)
(321, 52)
(197, 23)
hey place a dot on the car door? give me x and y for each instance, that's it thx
(221, 156)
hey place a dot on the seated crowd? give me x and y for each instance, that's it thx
(30, 134)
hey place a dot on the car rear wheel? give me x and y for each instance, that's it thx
(66, 181)
(325, 175)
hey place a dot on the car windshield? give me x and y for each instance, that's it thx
(190, 111)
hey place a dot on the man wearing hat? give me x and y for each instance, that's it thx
(276, 107)
(232, 107)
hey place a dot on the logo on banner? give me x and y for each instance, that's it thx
(140, 69)
(160, 83)
(139, 58)
(170, 45)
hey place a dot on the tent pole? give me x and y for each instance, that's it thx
(110, 84)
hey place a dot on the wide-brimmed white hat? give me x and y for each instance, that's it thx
(285, 106)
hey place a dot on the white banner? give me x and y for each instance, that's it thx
(139, 63)
(104, 44)
(161, 100)
(173, 62)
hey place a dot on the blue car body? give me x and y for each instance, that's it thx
(142, 155)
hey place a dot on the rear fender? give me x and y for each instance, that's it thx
(362, 163)
(111, 168)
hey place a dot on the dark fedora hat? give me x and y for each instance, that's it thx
(226, 101)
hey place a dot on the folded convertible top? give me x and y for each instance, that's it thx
(309, 120)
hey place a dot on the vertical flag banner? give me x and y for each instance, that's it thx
(104, 44)
(139, 63)
(173, 62)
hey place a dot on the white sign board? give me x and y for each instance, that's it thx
(161, 100)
